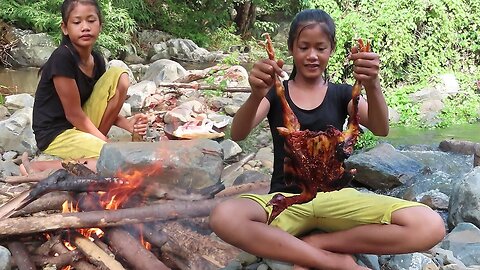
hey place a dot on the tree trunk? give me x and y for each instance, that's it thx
(245, 17)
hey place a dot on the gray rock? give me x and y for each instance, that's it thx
(139, 92)
(164, 70)
(230, 148)
(251, 177)
(368, 260)
(412, 261)
(383, 167)
(464, 203)
(5, 258)
(3, 112)
(16, 132)
(15, 102)
(33, 49)
(9, 168)
(435, 199)
(9, 155)
(121, 64)
(167, 166)
(464, 242)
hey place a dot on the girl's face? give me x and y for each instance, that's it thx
(311, 51)
(83, 25)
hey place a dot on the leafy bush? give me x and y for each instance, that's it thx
(416, 40)
(44, 16)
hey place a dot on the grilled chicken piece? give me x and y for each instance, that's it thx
(314, 159)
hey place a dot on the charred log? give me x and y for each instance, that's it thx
(132, 251)
(21, 256)
(60, 180)
(95, 254)
(107, 218)
(60, 248)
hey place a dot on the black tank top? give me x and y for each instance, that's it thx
(49, 118)
(332, 111)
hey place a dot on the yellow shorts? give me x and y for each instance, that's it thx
(76, 144)
(334, 211)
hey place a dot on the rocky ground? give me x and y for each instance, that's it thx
(173, 96)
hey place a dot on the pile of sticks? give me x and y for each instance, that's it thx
(7, 42)
(177, 231)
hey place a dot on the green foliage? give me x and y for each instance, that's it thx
(194, 20)
(464, 107)
(44, 16)
(41, 16)
(399, 100)
(223, 38)
(414, 38)
(2, 99)
(366, 140)
(231, 59)
(117, 29)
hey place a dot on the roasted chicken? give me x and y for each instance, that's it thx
(314, 159)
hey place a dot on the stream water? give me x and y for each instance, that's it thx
(26, 80)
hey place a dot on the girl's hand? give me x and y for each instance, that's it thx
(262, 76)
(138, 124)
(366, 67)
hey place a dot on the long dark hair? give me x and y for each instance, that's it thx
(66, 9)
(307, 18)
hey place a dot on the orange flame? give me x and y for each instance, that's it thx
(110, 200)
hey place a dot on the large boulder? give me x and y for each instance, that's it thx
(383, 167)
(464, 203)
(191, 165)
(16, 132)
(32, 50)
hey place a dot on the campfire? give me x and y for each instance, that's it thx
(108, 223)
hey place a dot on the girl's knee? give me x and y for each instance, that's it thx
(425, 226)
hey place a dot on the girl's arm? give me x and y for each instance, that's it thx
(374, 114)
(256, 108)
(67, 90)
(137, 123)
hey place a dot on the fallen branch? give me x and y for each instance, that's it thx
(197, 86)
(59, 261)
(20, 255)
(132, 251)
(200, 74)
(34, 177)
(261, 187)
(52, 201)
(60, 180)
(191, 250)
(107, 218)
(95, 254)
(60, 248)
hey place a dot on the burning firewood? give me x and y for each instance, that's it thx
(132, 251)
(107, 218)
(94, 254)
(60, 180)
(314, 160)
(191, 250)
(21, 256)
(60, 248)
